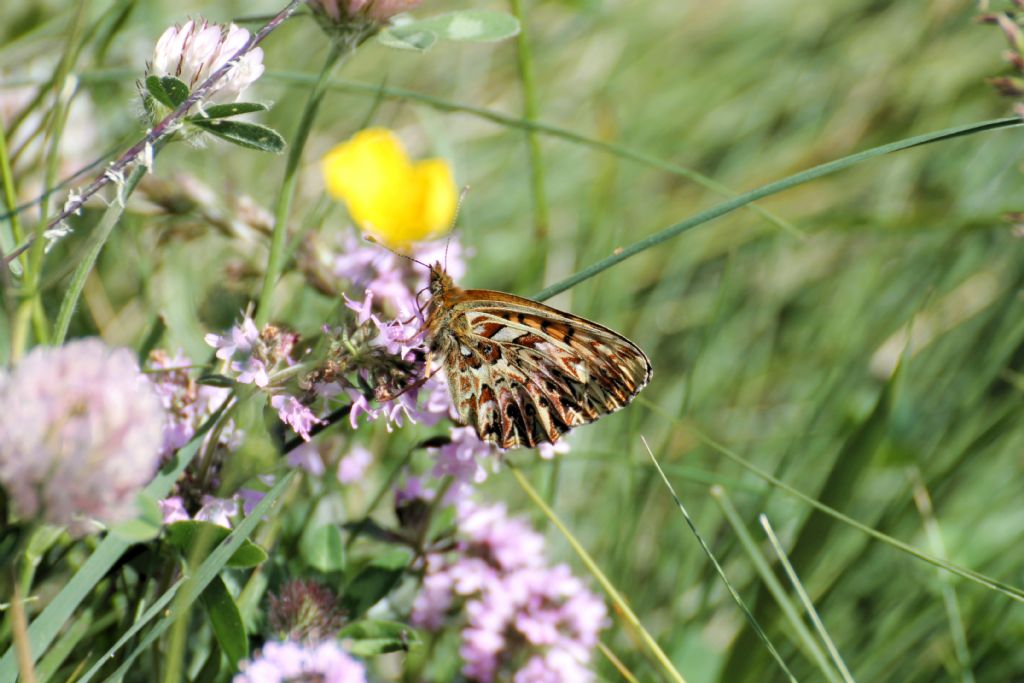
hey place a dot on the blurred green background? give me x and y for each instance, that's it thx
(780, 345)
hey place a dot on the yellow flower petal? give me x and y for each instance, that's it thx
(385, 193)
(438, 199)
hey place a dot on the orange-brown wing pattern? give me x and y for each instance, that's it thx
(523, 373)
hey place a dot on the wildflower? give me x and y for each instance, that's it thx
(291, 661)
(307, 457)
(389, 196)
(194, 51)
(188, 404)
(219, 511)
(305, 611)
(523, 620)
(255, 355)
(353, 466)
(293, 413)
(462, 458)
(81, 430)
(342, 12)
(172, 509)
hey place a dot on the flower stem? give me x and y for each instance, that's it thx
(163, 129)
(19, 633)
(540, 202)
(275, 260)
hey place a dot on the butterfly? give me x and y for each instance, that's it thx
(522, 373)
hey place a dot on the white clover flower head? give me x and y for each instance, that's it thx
(81, 429)
(194, 51)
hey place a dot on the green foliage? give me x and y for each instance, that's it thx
(226, 621)
(774, 330)
(370, 637)
(243, 134)
(167, 90)
(188, 535)
(373, 582)
(472, 26)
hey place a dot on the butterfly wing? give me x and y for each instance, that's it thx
(523, 373)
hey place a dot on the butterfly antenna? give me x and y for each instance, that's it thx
(455, 218)
(374, 240)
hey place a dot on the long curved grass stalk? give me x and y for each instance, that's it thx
(767, 190)
(613, 594)
(541, 127)
(283, 204)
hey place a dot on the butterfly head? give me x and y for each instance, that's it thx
(440, 282)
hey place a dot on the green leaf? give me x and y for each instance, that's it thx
(323, 548)
(155, 88)
(226, 621)
(370, 637)
(222, 111)
(193, 586)
(473, 25)
(176, 91)
(407, 39)
(373, 582)
(215, 380)
(185, 535)
(146, 526)
(244, 134)
(48, 624)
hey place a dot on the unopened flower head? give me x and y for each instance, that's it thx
(355, 15)
(194, 51)
(81, 430)
(305, 611)
(284, 661)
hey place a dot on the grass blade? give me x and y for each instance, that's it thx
(613, 594)
(774, 586)
(206, 572)
(766, 191)
(806, 600)
(718, 568)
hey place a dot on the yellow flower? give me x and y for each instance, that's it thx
(394, 199)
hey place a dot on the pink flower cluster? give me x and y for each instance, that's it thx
(188, 404)
(516, 608)
(324, 662)
(264, 358)
(389, 286)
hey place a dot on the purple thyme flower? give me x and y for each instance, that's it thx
(517, 609)
(81, 430)
(288, 661)
(353, 466)
(463, 458)
(307, 457)
(172, 509)
(188, 404)
(293, 413)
